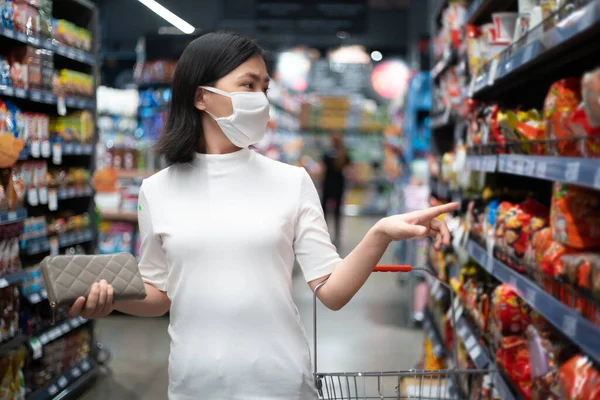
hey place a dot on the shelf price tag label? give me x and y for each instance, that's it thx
(85, 366)
(572, 172)
(63, 382)
(540, 169)
(530, 295)
(528, 167)
(597, 179)
(489, 264)
(34, 148)
(36, 348)
(493, 70)
(470, 343)
(52, 390)
(76, 372)
(3, 283)
(569, 326)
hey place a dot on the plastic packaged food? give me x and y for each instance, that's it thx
(575, 216)
(579, 379)
(509, 310)
(583, 270)
(562, 100)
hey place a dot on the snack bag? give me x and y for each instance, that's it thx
(501, 212)
(575, 216)
(509, 310)
(562, 100)
(590, 91)
(520, 223)
(579, 379)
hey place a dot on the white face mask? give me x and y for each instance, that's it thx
(248, 122)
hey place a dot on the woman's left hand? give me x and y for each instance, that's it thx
(418, 224)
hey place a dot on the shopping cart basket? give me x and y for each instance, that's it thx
(412, 384)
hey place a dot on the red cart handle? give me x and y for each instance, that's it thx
(393, 268)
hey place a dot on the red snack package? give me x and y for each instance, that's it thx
(501, 213)
(579, 379)
(562, 100)
(575, 216)
(520, 223)
(509, 310)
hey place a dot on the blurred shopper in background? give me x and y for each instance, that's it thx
(335, 167)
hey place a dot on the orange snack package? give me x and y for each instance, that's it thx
(562, 100)
(579, 379)
(575, 216)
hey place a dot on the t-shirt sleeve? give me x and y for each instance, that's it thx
(153, 261)
(314, 251)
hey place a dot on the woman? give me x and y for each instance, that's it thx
(335, 162)
(220, 229)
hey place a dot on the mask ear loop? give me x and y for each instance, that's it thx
(217, 91)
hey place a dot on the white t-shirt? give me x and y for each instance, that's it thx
(220, 235)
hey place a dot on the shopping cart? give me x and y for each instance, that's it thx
(412, 384)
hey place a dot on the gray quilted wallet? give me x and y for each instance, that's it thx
(69, 277)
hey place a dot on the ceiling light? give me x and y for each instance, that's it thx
(168, 16)
(376, 55)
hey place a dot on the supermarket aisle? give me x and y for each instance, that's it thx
(365, 335)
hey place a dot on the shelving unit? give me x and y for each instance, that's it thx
(518, 78)
(78, 198)
(579, 330)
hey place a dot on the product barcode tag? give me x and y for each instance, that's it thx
(32, 197)
(540, 170)
(34, 148)
(43, 195)
(52, 200)
(569, 326)
(61, 106)
(493, 70)
(597, 179)
(572, 172)
(54, 246)
(57, 153)
(36, 348)
(46, 150)
(63, 382)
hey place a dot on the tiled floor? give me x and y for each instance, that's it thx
(368, 334)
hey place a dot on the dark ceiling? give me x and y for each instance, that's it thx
(388, 25)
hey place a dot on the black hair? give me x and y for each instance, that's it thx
(203, 62)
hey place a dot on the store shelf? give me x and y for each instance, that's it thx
(430, 328)
(481, 10)
(449, 59)
(49, 44)
(579, 330)
(478, 353)
(442, 120)
(10, 217)
(487, 163)
(74, 192)
(61, 329)
(11, 344)
(134, 174)
(35, 298)
(554, 43)
(12, 279)
(42, 245)
(70, 382)
(579, 171)
(118, 215)
(45, 97)
(77, 149)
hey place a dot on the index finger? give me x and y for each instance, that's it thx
(434, 212)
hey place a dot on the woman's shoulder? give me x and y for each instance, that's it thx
(279, 168)
(162, 179)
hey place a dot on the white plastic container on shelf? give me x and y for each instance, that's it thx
(504, 26)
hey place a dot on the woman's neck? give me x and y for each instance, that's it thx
(215, 141)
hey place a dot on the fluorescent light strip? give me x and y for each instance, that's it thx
(169, 16)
